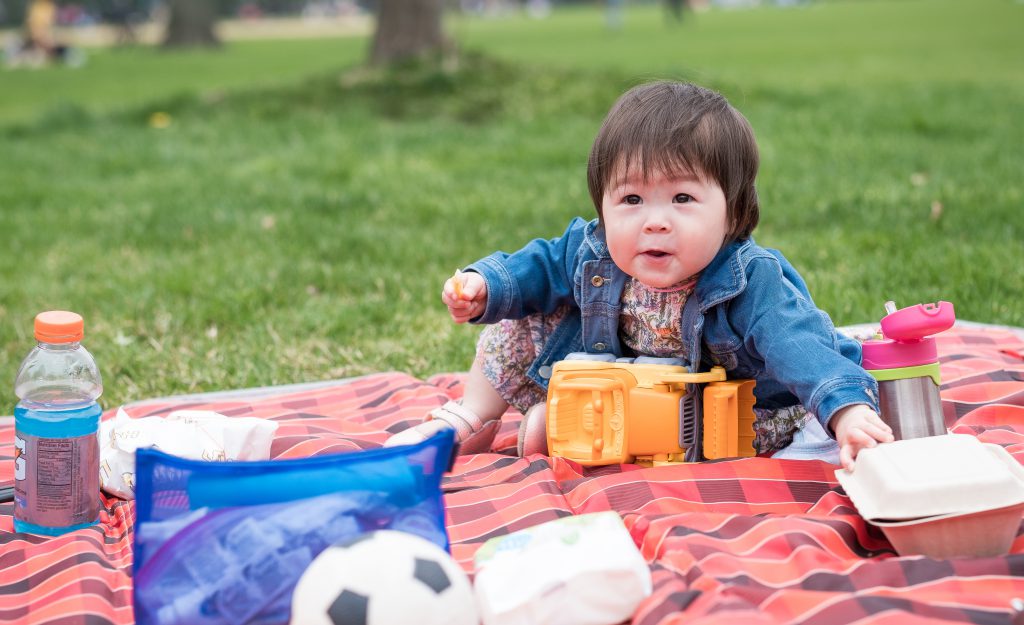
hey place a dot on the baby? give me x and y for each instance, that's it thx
(668, 269)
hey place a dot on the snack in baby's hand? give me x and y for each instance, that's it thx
(457, 283)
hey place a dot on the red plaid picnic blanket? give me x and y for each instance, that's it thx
(754, 540)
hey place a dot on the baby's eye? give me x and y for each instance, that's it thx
(683, 198)
(632, 199)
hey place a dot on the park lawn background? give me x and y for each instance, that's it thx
(297, 217)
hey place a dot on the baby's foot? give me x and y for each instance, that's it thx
(473, 435)
(533, 431)
(417, 433)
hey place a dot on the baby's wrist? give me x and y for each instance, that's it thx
(833, 424)
(841, 416)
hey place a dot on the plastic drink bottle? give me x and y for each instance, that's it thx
(56, 423)
(905, 361)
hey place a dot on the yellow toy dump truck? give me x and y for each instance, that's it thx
(610, 412)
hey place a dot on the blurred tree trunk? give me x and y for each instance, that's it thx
(407, 29)
(191, 24)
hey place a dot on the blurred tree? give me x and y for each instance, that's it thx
(12, 12)
(407, 29)
(676, 8)
(191, 24)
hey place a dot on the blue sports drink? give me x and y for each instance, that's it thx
(56, 424)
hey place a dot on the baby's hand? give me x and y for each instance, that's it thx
(856, 428)
(465, 295)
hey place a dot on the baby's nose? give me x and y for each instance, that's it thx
(656, 222)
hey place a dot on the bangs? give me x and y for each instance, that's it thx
(662, 142)
(647, 161)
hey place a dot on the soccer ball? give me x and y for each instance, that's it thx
(384, 578)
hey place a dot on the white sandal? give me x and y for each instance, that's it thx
(473, 435)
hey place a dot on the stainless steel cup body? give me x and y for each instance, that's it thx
(911, 407)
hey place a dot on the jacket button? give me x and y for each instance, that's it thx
(599, 347)
(545, 372)
(597, 280)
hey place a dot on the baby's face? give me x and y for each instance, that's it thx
(664, 229)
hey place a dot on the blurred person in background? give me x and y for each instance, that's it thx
(39, 45)
(39, 21)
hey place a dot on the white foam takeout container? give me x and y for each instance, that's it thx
(940, 496)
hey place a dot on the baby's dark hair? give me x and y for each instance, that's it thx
(679, 129)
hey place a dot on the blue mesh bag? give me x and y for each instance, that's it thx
(220, 543)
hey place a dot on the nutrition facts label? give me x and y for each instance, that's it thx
(61, 480)
(55, 464)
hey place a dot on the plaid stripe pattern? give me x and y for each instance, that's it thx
(755, 540)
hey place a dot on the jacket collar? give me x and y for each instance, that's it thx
(725, 277)
(594, 236)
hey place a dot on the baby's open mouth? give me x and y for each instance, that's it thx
(656, 253)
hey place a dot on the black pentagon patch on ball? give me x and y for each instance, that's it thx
(349, 608)
(431, 574)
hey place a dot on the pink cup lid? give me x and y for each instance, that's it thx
(913, 323)
(907, 340)
(888, 354)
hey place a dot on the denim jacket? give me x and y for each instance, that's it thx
(751, 314)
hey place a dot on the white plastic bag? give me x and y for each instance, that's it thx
(581, 570)
(195, 434)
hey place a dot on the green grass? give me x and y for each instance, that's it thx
(861, 44)
(296, 220)
(124, 78)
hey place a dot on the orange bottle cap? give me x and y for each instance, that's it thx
(59, 326)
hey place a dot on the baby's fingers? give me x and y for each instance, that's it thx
(452, 295)
(473, 286)
(462, 316)
(876, 421)
(881, 433)
(465, 295)
(846, 457)
(462, 311)
(856, 439)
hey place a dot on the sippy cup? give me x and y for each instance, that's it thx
(906, 364)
